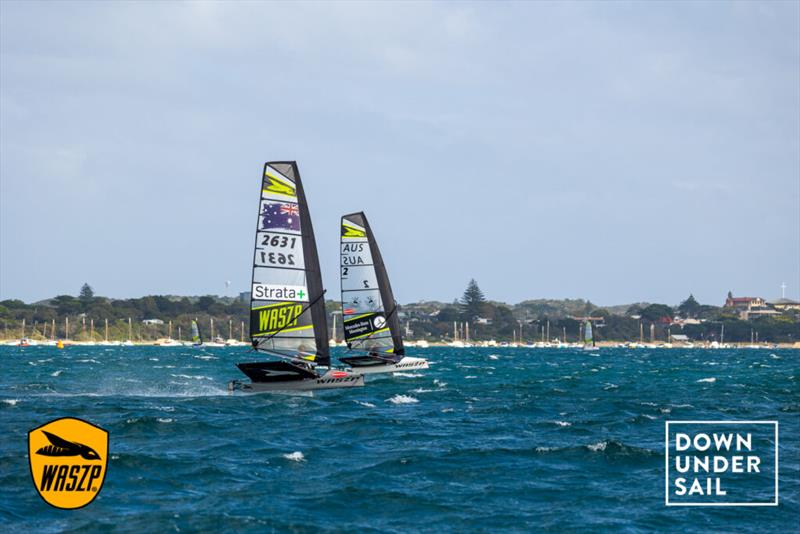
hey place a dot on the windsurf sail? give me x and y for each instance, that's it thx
(287, 308)
(587, 335)
(197, 339)
(369, 311)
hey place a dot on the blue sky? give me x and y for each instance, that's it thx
(617, 152)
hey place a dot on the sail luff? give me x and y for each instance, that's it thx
(385, 288)
(313, 277)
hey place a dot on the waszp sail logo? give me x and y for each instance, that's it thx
(68, 459)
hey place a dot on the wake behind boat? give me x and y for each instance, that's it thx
(287, 308)
(371, 332)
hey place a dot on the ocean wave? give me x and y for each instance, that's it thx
(402, 399)
(710, 380)
(57, 373)
(562, 423)
(193, 377)
(367, 404)
(11, 402)
(439, 383)
(494, 357)
(408, 375)
(87, 360)
(295, 456)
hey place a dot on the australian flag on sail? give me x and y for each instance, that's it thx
(280, 216)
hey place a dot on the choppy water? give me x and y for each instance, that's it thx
(486, 440)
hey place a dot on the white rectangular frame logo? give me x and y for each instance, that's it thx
(666, 464)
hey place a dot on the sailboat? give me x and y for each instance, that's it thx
(369, 311)
(287, 306)
(588, 338)
(197, 338)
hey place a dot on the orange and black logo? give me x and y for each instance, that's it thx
(68, 459)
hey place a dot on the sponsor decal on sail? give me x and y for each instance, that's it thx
(68, 459)
(364, 325)
(270, 319)
(279, 292)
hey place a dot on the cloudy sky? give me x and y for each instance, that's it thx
(617, 152)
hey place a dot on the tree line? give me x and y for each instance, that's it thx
(528, 321)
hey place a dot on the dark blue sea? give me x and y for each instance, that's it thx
(487, 440)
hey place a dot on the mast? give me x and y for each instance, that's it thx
(66, 327)
(169, 330)
(91, 328)
(23, 328)
(130, 330)
(106, 337)
(241, 332)
(211, 336)
(53, 330)
(230, 328)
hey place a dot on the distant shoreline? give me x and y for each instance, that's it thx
(164, 343)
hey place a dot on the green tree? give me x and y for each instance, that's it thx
(689, 307)
(473, 301)
(87, 293)
(658, 313)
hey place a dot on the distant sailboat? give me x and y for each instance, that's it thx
(588, 339)
(197, 338)
(369, 310)
(287, 306)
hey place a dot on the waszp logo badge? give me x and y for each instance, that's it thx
(68, 459)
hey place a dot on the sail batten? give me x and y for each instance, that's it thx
(287, 308)
(368, 307)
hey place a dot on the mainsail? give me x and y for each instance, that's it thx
(287, 308)
(587, 336)
(197, 339)
(369, 311)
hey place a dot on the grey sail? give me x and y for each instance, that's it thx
(369, 311)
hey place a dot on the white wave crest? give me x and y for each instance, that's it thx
(494, 357)
(402, 399)
(407, 374)
(710, 380)
(165, 419)
(295, 456)
(367, 404)
(11, 402)
(56, 373)
(194, 377)
(563, 423)
(598, 447)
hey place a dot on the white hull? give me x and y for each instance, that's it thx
(407, 363)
